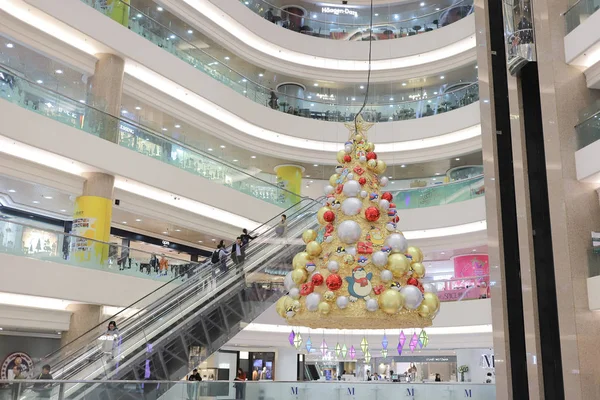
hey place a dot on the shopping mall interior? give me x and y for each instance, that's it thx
(299, 199)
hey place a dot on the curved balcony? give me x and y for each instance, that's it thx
(437, 195)
(353, 23)
(146, 26)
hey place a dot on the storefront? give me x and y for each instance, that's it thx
(416, 368)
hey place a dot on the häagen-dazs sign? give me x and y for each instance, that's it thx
(338, 11)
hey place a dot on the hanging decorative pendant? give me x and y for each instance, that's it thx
(292, 338)
(308, 344)
(413, 342)
(423, 339)
(338, 349)
(352, 352)
(364, 345)
(298, 341)
(384, 353)
(324, 348)
(367, 357)
(384, 342)
(344, 350)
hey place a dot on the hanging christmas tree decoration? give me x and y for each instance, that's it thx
(384, 342)
(298, 340)
(367, 357)
(292, 338)
(352, 352)
(423, 338)
(344, 350)
(357, 270)
(384, 353)
(323, 348)
(308, 344)
(414, 342)
(338, 349)
(400, 348)
(364, 345)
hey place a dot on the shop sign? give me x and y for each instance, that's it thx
(166, 243)
(337, 11)
(437, 359)
(126, 129)
(16, 359)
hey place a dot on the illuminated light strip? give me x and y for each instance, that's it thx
(451, 330)
(238, 30)
(446, 231)
(61, 31)
(43, 157)
(23, 300)
(205, 106)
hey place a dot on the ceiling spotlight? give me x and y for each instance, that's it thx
(361, 86)
(138, 108)
(139, 15)
(200, 241)
(477, 67)
(190, 31)
(261, 75)
(36, 202)
(253, 157)
(354, 99)
(403, 83)
(138, 220)
(164, 129)
(244, 80)
(308, 176)
(222, 146)
(210, 149)
(165, 233)
(457, 159)
(10, 45)
(402, 166)
(82, 101)
(437, 9)
(63, 211)
(422, 4)
(12, 191)
(315, 165)
(159, 8)
(124, 222)
(315, 84)
(391, 99)
(59, 71)
(235, 160)
(47, 197)
(40, 81)
(442, 77)
(124, 112)
(474, 250)
(438, 173)
(227, 58)
(376, 14)
(442, 253)
(177, 126)
(312, 104)
(309, 97)
(435, 92)
(177, 230)
(172, 37)
(214, 240)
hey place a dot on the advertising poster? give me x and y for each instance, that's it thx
(18, 359)
(92, 221)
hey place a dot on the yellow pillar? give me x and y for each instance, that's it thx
(119, 11)
(289, 177)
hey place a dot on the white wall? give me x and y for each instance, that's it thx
(587, 163)
(473, 358)
(593, 289)
(286, 364)
(33, 319)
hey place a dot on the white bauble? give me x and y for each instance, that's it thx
(333, 266)
(351, 189)
(384, 204)
(295, 293)
(351, 206)
(350, 176)
(339, 169)
(311, 268)
(386, 275)
(384, 181)
(312, 301)
(329, 239)
(362, 159)
(397, 242)
(328, 189)
(379, 258)
(351, 250)
(391, 226)
(349, 232)
(363, 193)
(429, 288)
(342, 302)
(412, 297)
(372, 305)
(348, 148)
(288, 282)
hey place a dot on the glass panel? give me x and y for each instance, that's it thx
(348, 23)
(579, 12)
(588, 131)
(161, 33)
(431, 196)
(46, 102)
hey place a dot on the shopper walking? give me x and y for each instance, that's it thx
(110, 340)
(240, 385)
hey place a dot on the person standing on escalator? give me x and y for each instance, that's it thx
(246, 238)
(238, 252)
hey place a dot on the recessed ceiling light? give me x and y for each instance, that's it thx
(244, 91)
(376, 14)
(434, 179)
(244, 80)
(164, 129)
(253, 157)
(311, 181)
(422, 4)
(457, 159)
(437, 9)
(315, 84)
(190, 31)
(309, 97)
(391, 99)
(159, 8)
(40, 81)
(442, 253)
(177, 230)
(222, 146)
(390, 177)
(210, 149)
(362, 87)
(261, 75)
(139, 15)
(59, 71)
(442, 77)
(172, 37)
(315, 165)
(307, 186)
(82, 101)
(308, 176)
(200, 241)
(138, 220)
(474, 249)
(438, 173)
(435, 92)
(354, 99)
(165, 233)
(10, 45)
(124, 112)
(12, 191)
(63, 210)
(47, 197)
(235, 160)
(477, 67)
(177, 126)
(402, 166)
(214, 240)
(138, 108)
(227, 58)
(124, 222)
(36, 202)
(0, 329)
(403, 83)
(312, 104)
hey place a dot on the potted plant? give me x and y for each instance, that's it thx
(463, 369)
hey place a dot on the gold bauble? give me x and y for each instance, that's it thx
(418, 269)
(320, 214)
(424, 311)
(432, 301)
(358, 138)
(299, 276)
(380, 167)
(300, 260)
(415, 253)
(324, 308)
(391, 301)
(398, 264)
(309, 235)
(282, 305)
(296, 306)
(372, 164)
(340, 156)
(329, 296)
(313, 248)
(333, 179)
(370, 146)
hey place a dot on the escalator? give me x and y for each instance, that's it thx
(157, 333)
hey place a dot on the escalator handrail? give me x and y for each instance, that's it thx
(103, 323)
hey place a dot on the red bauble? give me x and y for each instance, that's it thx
(372, 214)
(362, 180)
(378, 289)
(317, 279)
(329, 216)
(371, 156)
(412, 281)
(392, 205)
(339, 188)
(387, 196)
(347, 158)
(395, 219)
(333, 282)
(421, 288)
(306, 288)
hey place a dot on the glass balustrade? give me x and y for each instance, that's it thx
(588, 130)
(165, 34)
(339, 22)
(248, 390)
(63, 248)
(438, 195)
(137, 138)
(579, 12)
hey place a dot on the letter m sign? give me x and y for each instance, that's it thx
(295, 390)
(410, 392)
(468, 393)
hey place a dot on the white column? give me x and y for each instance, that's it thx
(286, 364)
